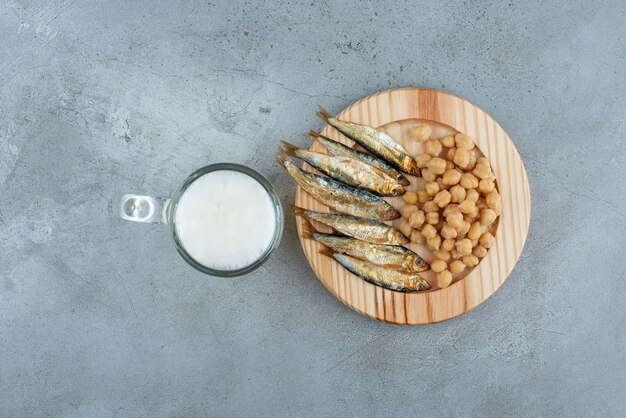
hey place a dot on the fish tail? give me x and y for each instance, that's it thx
(327, 143)
(313, 135)
(288, 149)
(298, 211)
(326, 252)
(323, 114)
(282, 158)
(307, 229)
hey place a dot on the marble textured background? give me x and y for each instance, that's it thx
(102, 318)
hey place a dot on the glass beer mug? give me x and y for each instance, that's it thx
(225, 219)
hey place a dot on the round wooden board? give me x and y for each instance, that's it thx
(396, 111)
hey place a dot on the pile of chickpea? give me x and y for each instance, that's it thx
(453, 212)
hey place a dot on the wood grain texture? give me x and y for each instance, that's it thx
(396, 111)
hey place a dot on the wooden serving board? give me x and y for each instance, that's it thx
(396, 112)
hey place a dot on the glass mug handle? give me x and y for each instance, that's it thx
(142, 208)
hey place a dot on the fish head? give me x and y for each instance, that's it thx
(422, 284)
(404, 181)
(395, 189)
(410, 166)
(417, 264)
(389, 213)
(397, 237)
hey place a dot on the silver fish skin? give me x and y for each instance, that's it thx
(338, 196)
(339, 149)
(347, 170)
(377, 142)
(364, 229)
(390, 256)
(382, 276)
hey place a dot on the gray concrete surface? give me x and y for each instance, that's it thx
(102, 318)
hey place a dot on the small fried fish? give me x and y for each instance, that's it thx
(363, 229)
(382, 276)
(338, 196)
(390, 256)
(347, 170)
(339, 149)
(379, 143)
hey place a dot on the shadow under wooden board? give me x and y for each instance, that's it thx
(396, 112)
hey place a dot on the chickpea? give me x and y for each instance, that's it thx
(467, 206)
(480, 203)
(429, 231)
(428, 175)
(472, 162)
(465, 226)
(470, 260)
(473, 214)
(448, 231)
(487, 240)
(498, 208)
(457, 266)
(482, 160)
(448, 244)
(463, 141)
(469, 181)
(432, 218)
(451, 177)
(442, 186)
(437, 165)
(422, 159)
(447, 141)
(417, 237)
(405, 228)
(455, 219)
(430, 206)
(421, 132)
(432, 188)
(422, 196)
(450, 208)
(410, 198)
(475, 231)
(474, 243)
(433, 147)
(442, 198)
(482, 171)
(434, 242)
(461, 157)
(409, 209)
(458, 193)
(417, 219)
(438, 266)
(449, 165)
(494, 200)
(464, 246)
(444, 279)
(452, 215)
(479, 251)
(486, 186)
(442, 254)
(472, 195)
(450, 154)
(487, 216)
